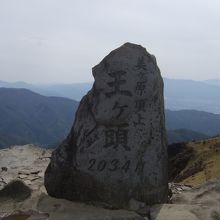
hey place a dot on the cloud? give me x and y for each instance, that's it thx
(60, 41)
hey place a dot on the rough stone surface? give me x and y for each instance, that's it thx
(197, 203)
(116, 150)
(15, 190)
(190, 203)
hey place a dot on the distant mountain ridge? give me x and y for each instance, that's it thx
(179, 94)
(189, 94)
(198, 121)
(73, 91)
(27, 117)
(213, 82)
(184, 135)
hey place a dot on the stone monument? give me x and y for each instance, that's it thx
(116, 150)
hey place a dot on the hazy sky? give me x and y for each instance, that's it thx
(61, 40)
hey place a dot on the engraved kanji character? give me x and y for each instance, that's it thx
(141, 74)
(140, 105)
(116, 138)
(140, 87)
(109, 137)
(120, 107)
(138, 122)
(122, 138)
(141, 64)
(140, 167)
(116, 84)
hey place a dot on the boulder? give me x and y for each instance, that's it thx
(116, 150)
(15, 190)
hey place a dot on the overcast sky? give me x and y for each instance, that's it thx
(59, 41)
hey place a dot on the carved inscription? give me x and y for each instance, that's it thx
(140, 105)
(116, 137)
(116, 84)
(140, 90)
(141, 64)
(141, 75)
(140, 167)
(114, 165)
(139, 120)
(89, 137)
(140, 87)
(120, 109)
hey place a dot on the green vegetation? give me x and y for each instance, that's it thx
(195, 162)
(184, 135)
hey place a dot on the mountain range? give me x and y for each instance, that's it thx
(198, 121)
(28, 117)
(179, 94)
(189, 94)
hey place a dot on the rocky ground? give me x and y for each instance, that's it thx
(195, 162)
(23, 196)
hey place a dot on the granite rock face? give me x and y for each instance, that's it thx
(116, 150)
